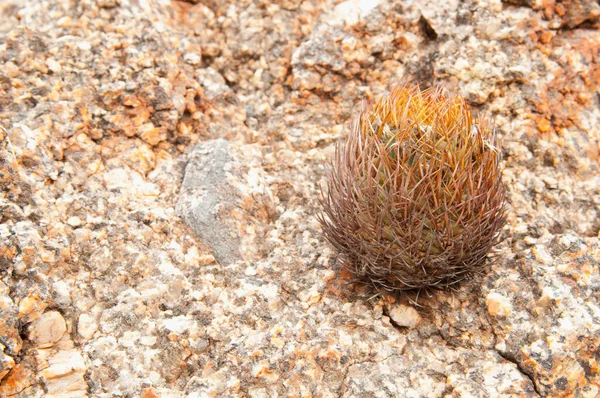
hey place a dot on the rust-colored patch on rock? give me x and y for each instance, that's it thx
(562, 103)
(17, 380)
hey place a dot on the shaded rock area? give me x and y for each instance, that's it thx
(122, 121)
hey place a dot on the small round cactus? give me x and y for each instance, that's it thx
(415, 195)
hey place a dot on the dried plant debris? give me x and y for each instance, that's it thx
(415, 195)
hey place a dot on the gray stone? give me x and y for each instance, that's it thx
(206, 198)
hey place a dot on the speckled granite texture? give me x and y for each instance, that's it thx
(106, 292)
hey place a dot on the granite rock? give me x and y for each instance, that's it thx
(207, 200)
(118, 117)
(222, 186)
(47, 329)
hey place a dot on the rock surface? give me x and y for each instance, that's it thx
(47, 329)
(117, 116)
(207, 200)
(223, 195)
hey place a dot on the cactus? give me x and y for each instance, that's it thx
(415, 196)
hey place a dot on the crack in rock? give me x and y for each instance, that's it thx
(521, 369)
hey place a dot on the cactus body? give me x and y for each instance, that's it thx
(415, 196)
